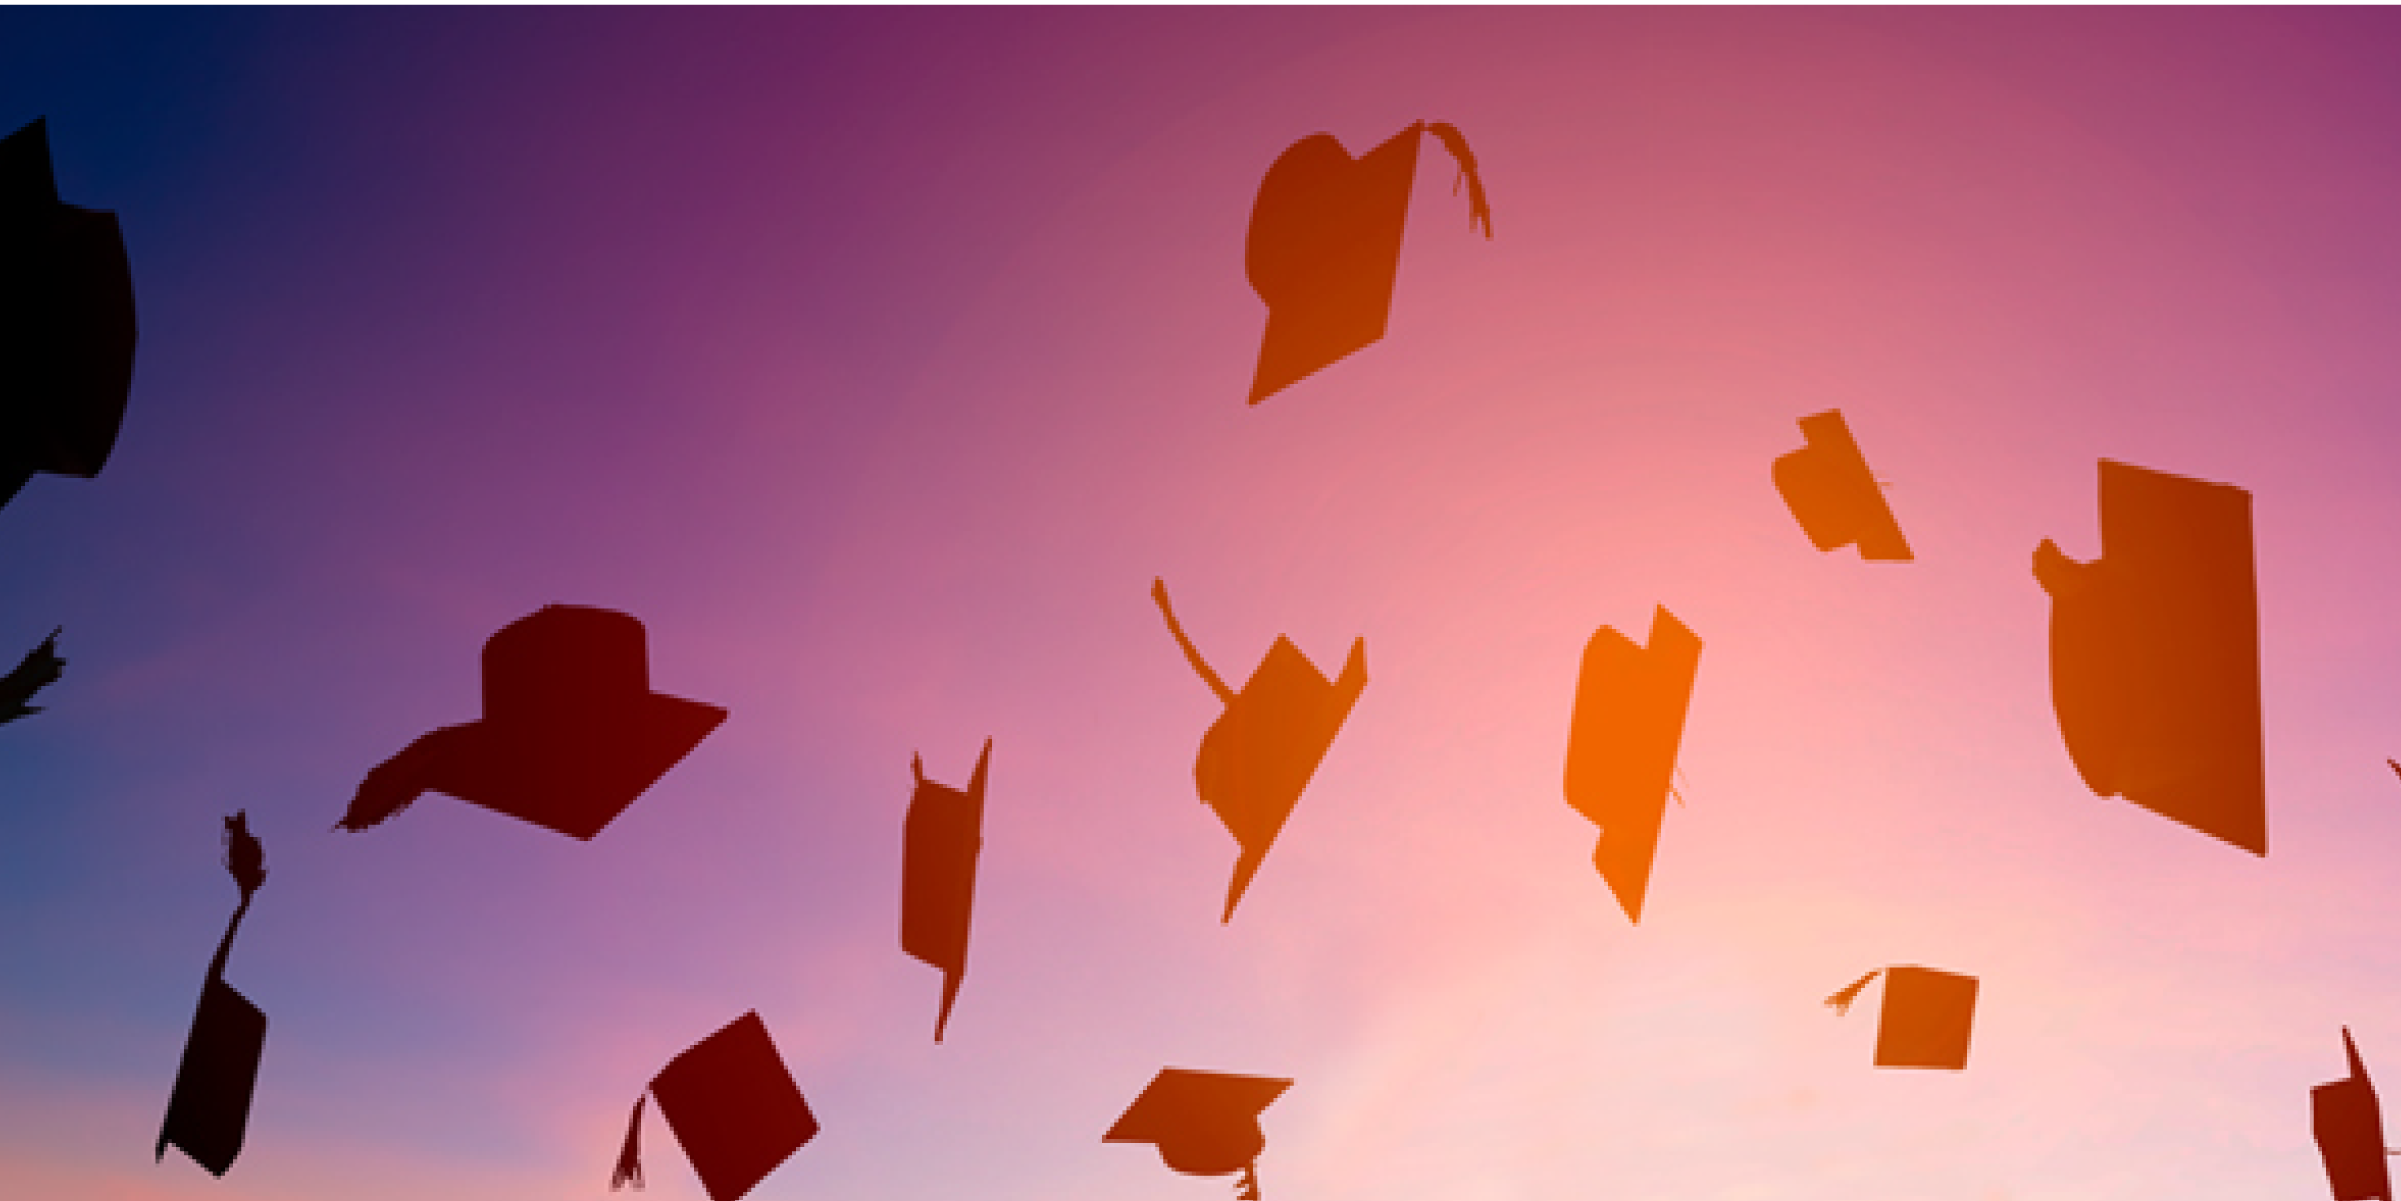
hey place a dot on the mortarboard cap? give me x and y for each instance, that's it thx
(1621, 746)
(1204, 1123)
(1832, 494)
(571, 732)
(940, 839)
(66, 322)
(1325, 246)
(2349, 1128)
(1261, 752)
(40, 668)
(1927, 1016)
(733, 1106)
(209, 1108)
(2155, 653)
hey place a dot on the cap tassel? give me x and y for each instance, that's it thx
(1841, 1001)
(629, 1160)
(1248, 1188)
(1479, 209)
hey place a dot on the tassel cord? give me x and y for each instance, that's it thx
(1479, 207)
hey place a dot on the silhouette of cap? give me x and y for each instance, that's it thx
(940, 840)
(2349, 1128)
(209, 1108)
(1621, 746)
(1927, 1016)
(66, 322)
(1325, 246)
(1204, 1123)
(1261, 752)
(733, 1106)
(571, 732)
(40, 668)
(2155, 653)
(1832, 494)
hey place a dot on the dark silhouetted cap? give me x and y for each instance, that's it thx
(1204, 1123)
(209, 1108)
(1261, 752)
(940, 840)
(2350, 1132)
(1325, 246)
(1928, 1016)
(40, 668)
(66, 322)
(1621, 746)
(571, 732)
(1830, 491)
(2155, 653)
(733, 1106)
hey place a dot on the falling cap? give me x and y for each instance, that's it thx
(1204, 1123)
(1927, 1016)
(2349, 1128)
(209, 1109)
(1622, 742)
(1832, 494)
(941, 839)
(733, 1106)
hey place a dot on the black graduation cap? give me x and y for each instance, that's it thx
(1204, 1123)
(1927, 1017)
(1621, 746)
(940, 839)
(1325, 246)
(2155, 653)
(1831, 493)
(2350, 1131)
(1259, 754)
(209, 1109)
(732, 1104)
(66, 322)
(571, 732)
(40, 668)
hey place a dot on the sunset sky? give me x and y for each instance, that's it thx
(878, 361)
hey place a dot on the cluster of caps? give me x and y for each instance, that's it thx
(2154, 680)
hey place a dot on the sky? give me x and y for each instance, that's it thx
(879, 361)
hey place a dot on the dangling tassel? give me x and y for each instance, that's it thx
(1248, 1188)
(1841, 1001)
(629, 1160)
(1479, 210)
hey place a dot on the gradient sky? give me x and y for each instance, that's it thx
(878, 361)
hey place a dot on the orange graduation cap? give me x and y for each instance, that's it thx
(571, 731)
(1204, 1123)
(66, 322)
(1832, 494)
(1260, 753)
(2155, 653)
(1621, 746)
(732, 1104)
(1325, 246)
(940, 839)
(2350, 1132)
(209, 1109)
(1927, 1017)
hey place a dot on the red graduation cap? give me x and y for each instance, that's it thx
(1927, 1016)
(2349, 1127)
(1325, 246)
(1832, 494)
(571, 732)
(2155, 653)
(1622, 742)
(732, 1104)
(940, 841)
(1261, 752)
(1204, 1123)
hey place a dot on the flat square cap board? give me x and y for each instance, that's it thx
(209, 1111)
(2349, 1127)
(1926, 1020)
(1834, 496)
(733, 1107)
(1204, 1123)
(1621, 746)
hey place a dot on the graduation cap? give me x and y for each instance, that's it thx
(210, 1106)
(66, 322)
(1827, 486)
(39, 669)
(1204, 1123)
(940, 839)
(1259, 755)
(732, 1104)
(1927, 1016)
(1325, 246)
(1621, 746)
(2155, 653)
(571, 731)
(2350, 1133)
